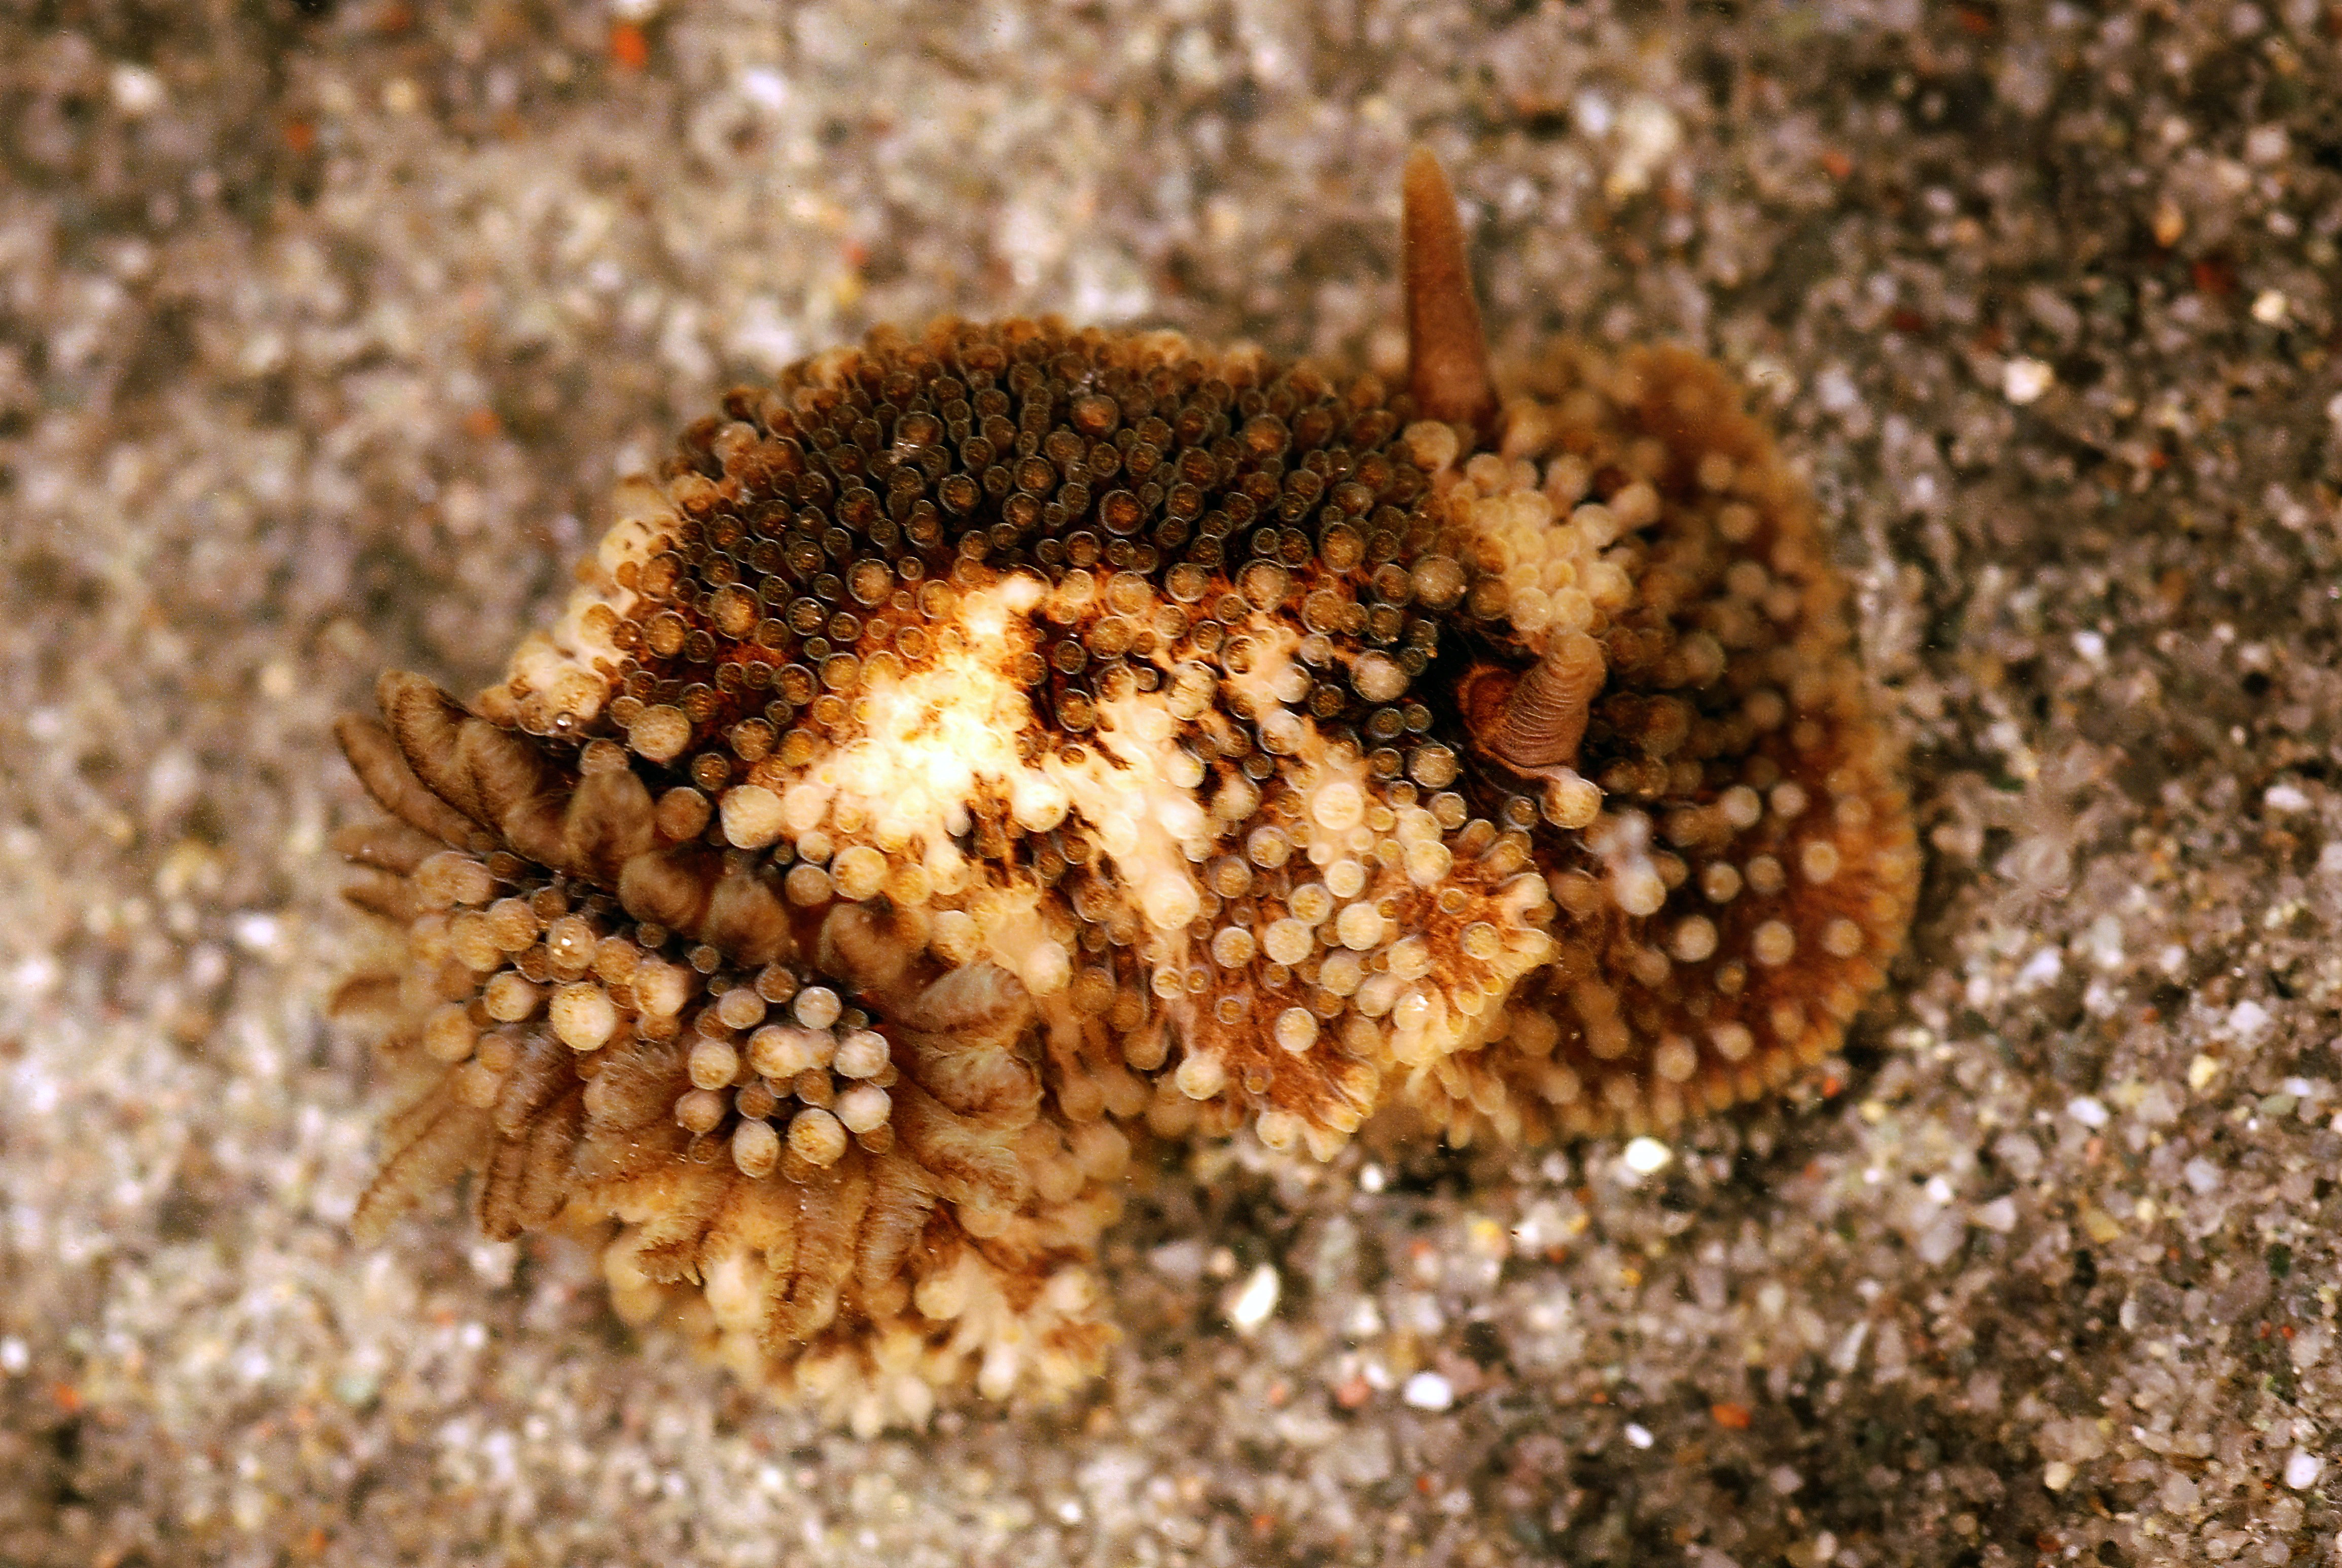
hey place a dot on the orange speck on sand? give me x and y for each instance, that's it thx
(65, 1397)
(630, 46)
(1836, 165)
(2213, 276)
(1975, 22)
(483, 422)
(300, 135)
(1732, 1417)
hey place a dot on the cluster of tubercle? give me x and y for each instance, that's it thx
(983, 749)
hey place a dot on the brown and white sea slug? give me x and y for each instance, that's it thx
(986, 744)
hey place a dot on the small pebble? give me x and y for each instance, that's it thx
(1429, 1391)
(2087, 1109)
(2285, 797)
(2023, 381)
(1647, 1157)
(1253, 1302)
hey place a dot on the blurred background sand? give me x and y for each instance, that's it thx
(325, 329)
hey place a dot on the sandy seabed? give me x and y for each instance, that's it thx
(325, 330)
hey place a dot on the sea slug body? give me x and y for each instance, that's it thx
(985, 747)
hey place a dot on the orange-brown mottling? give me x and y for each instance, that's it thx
(1825, 854)
(979, 745)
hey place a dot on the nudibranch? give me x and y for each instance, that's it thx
(982, 748)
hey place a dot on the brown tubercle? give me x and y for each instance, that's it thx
(979, 744)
